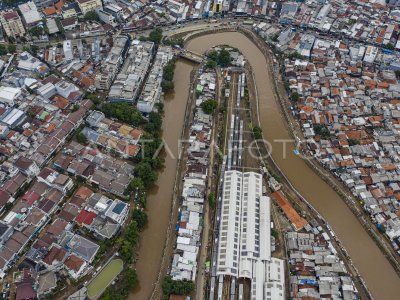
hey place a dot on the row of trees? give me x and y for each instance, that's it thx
(124, 112)
(167, 83)
(176, 287)
(10, 48)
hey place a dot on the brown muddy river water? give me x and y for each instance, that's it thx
(378, 274)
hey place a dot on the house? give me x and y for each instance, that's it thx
(83, 248)
(25, 291)
(27, 166)
(55, 257)
(75, 266)
(46, 283)
(118, 211)
(69, 23)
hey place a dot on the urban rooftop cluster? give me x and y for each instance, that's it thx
(316, 271)
(190, 224)
(345, 94)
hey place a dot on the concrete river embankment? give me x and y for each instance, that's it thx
(377, 272)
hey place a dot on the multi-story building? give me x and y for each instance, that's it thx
(89, 5)
(128, 82)
(107, 17)
(152, 89)
(12, 23)
(111, 65)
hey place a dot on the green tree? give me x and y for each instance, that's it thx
(175, 42)
(125, 251)
(74, 108)
(154, 124)
(34, 50)
(167, 86)
(140, 218)
(3, 50)
(91, 16)
(224, 58)
(211, 64)
(132, 233)
(209, 106)
(211, 200)
(59, 25)
(11, 48)
(275, 37)
(295, 55)
(81, 138)
(146, 173)
(353, 142)
(295, 96)
(322, 131)
(130, 279)
(257, 131)
(156, 35)
(178, 287)
(123, 112)
(213, 55)
(136, 184)
(11, 39)
(36, 31)
(389, 46)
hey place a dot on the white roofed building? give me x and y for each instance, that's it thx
(30, 13)
(244, 249)
(9, 94)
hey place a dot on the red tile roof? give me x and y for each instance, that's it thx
(85, 217)
(73, 262)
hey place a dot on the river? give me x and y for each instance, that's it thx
(378, 274)
(159, 199)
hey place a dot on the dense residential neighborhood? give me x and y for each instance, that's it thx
(84, 88)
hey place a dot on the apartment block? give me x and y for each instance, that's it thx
(12, 24)
(89, 5)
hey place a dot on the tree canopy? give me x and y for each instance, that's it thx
(123, 112)
(156, 35)
(140, 217)
(295, 96)
(209, 106)
(257, 131)
(221, 58)
(167, 84)
(178, 287)
(322, 131)
(36, 31)
(146, 173)
(91, 16)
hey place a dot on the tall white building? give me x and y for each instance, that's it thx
(245, 237)
(67, 48)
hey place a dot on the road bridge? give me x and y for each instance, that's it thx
(190, 55)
